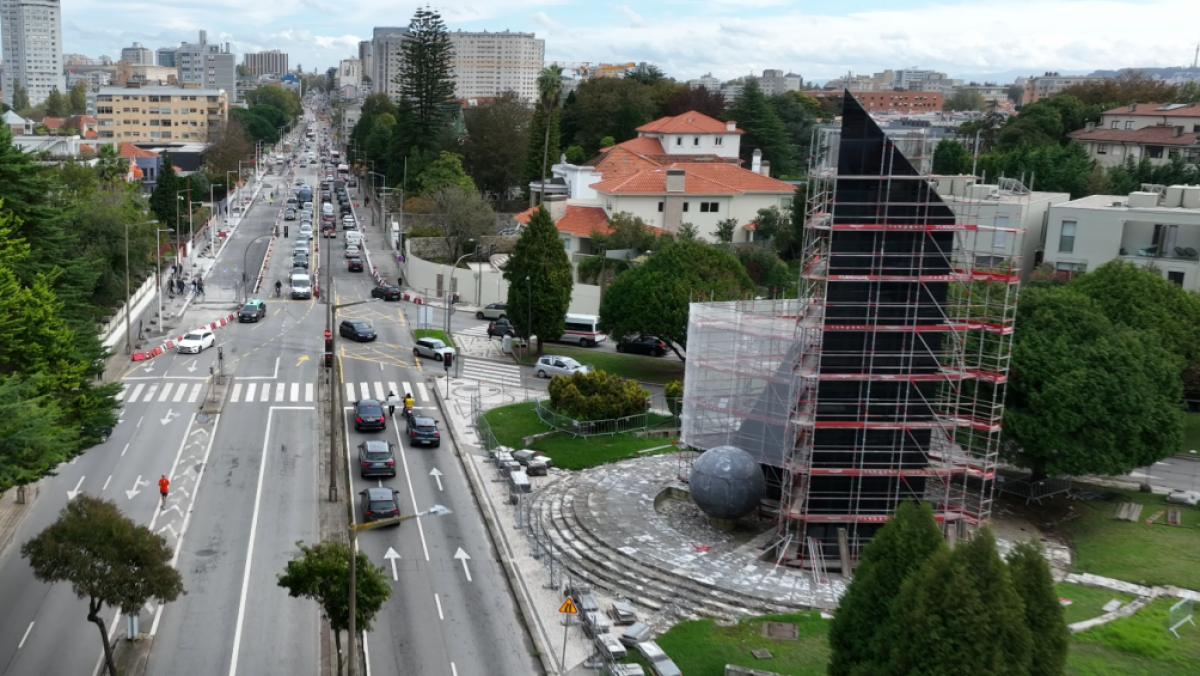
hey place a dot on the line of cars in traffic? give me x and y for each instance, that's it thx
(583, 330)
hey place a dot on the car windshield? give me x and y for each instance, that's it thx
(382, 506)
(252, 307)
(570, 363)
(360, 325)
(192, 336)
(378, 455)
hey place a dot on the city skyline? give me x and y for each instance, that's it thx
(968, 38)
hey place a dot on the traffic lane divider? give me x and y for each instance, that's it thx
(170, 344)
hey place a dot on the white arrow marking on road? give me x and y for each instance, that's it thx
(170, 528)
(391, 555)
(136, 483)
(462, 556)
(72, 493)
(192, 366)
(199, 430)
(437, 477)
(149, 368)
(171, 415)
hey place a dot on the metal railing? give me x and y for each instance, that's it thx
(660, 412)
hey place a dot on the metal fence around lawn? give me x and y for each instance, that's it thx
(659, 413)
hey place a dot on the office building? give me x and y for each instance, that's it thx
(489, 64)
(777, 82)
(386, 60)
(707, 81)
(1038, 88)
(31, 48)
(273, 62)
(349, 74)
(207, 66)
(152, 114)
(165, 56)
(137, 55)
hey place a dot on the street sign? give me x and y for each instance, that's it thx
(328, 333)
(568, 607)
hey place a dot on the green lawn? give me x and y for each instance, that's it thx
(434, 333)
(1137, 646)
(514, 422)
(701, 648)
(650, 369)
(1087, 602)
(1152, 554)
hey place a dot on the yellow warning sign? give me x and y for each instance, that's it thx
(568, 607)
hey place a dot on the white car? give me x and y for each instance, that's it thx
(352, 251)
(1182, 497)
(196, 342)
(550, 366)
(433, 348)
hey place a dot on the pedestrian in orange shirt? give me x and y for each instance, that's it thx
(163, 484)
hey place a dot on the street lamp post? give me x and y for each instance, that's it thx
(529, 324)
(450, 295)
(128, 299)
(158, 262)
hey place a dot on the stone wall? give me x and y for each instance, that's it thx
(435, 247)
(735, 670)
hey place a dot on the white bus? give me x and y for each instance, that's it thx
(583, 330)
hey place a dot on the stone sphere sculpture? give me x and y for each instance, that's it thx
(726, 484)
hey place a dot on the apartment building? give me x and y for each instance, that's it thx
(387, 60)
(707, 81)
(1038, 88)
(208, 66)
(273, 62)
(365, 55)
(489, 64)
(31, 48)
(777, 82)
(1158, 229)
(165, 56)
(137, 55)
(886, 101)
(152, 114)
(1157, 132)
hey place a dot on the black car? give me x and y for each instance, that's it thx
(355, 264)
(502, 327)
(643, 345)
(380, 503)
(375, 458)
(252, 311)
(300, 261)
(386, 292)
(423, 430)
(368, 415)
(356, 329)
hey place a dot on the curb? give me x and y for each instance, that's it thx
(541, 640)
(170, 344)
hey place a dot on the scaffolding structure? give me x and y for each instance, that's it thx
(885, 379)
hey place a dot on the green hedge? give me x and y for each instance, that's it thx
(597, 396)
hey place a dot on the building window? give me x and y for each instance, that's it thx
(717, 140)
(566, 243)
(708, 207)
(685, 206)
(1102, 149)
(1175, 276)
(1066, 237)
(1116, 124)
(695, 140)
(1129, 124)
(660, 207)
(678, 140)
(1155, 152)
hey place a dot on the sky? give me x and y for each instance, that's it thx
(689, 38)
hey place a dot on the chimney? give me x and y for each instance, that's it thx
(557, 206)
(1133, 107)
(756, 162)
(1091, 126)
(766, 168)
(731, 125)
(1178, 132)
(675, 179)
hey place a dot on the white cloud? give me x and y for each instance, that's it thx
(542, 19)
(635, 19)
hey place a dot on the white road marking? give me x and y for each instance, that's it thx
(25, 636)
(265, 393)
(379, 393)
(424, 392)
(121, 394)
(250, 391)
(308, 392)
(295, 393)
(350, 392)
(366, 393)
(150, 393)
(137, 391)
(241, 615)
(237, 393)
(124, 449)
(411, 493)
(438, 600)
(464, 557)
(279, 388)
(195, 393)
(180, 393)
(72, 493)
(166, 392)
(102, 488)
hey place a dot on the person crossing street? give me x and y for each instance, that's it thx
(164, 484)
(392, 400)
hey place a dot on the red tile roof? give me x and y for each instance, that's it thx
(91, 133)
(1158, 136)
(130, 151)
(1152, 109)
(699, 179)
(690, 122)
(53, 122)
(582, 221)
(643, 145)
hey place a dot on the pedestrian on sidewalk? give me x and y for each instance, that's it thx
(200, 286)
(164, 484)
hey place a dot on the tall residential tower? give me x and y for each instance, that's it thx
(31, 32)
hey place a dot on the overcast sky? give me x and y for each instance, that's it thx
(688, 38)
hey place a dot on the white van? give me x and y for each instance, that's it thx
(583, 330)
(353, 237)
(327, 208)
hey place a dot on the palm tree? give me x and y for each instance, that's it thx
(109, 164)
(550, 87)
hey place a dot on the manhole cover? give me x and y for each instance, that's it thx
(761, 653)
(785, 631)
(202, 417)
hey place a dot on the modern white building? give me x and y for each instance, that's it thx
(137, 55)
(1040, 87)
(273, 62)
(707, 81)
(777, 82)
(387, 60)
(1158, 229)
(350, 74)
(31, 48)
(1158, 132)
(208, 66)
(489, 64)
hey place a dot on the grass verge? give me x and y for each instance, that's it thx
(1087, 602)
(514, 422)
(659, 370)
(1136, 646)
(434, 333)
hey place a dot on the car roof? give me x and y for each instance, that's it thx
(367, 402)
(357, 322)
(379, 493)
(376, 445)
(423, 420)
(254, 301)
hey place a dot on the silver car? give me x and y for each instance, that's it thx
(550, 366)
(432, 348)
(492, 311)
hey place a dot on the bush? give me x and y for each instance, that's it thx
(597, 396)
(673, 391)
(425, 231)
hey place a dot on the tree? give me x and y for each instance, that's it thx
(1047, 122)
(1057, 168)
(576, 155)
(110, 166)
(20, 96)
(726, 228)
(648, 74)
(322, 573)
(701, 99)
(653, 297)
(606, 106)
(108, 559)
(1034, 583)
(540, 280)
(461, 215)
(688, 231)
(965, 100)
(426, 78)
(798, 112)
(958, 614)
(951, 157)
(626, 232)
(763, 130)
(1129, 86)
(1085, 395)
(903, 545)
(56, 104)
(163, 199)
(986, 129)
(228, 147)
(257, 128)
(770, 274)
(77, 98)
(550, 98)
(497, 139)
(445, 171)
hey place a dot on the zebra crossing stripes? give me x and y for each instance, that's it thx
(289, 393)
(491, 372)
(168, 391)
(477, 331)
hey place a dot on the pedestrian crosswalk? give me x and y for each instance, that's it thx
(161, 392)
(379, 390)
(491, 372)
(477, 331)
(276, 393)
